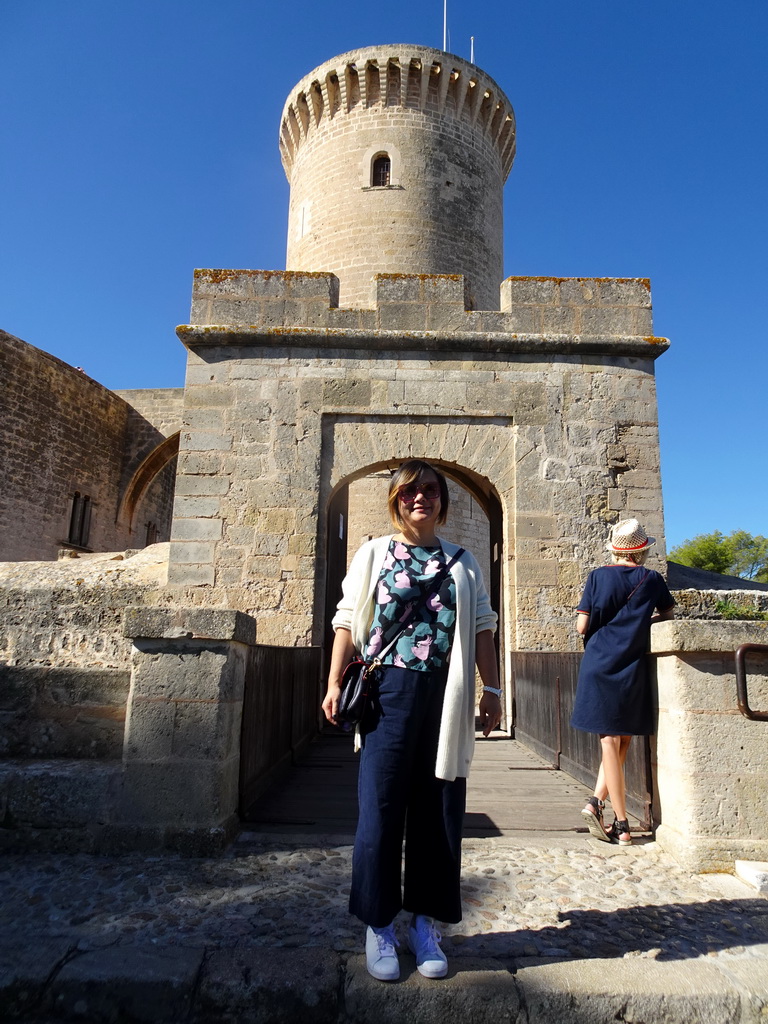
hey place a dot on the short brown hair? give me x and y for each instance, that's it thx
(409, 473)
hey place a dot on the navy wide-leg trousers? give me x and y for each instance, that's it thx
(398, 792)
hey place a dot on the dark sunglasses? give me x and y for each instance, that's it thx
(409, 492)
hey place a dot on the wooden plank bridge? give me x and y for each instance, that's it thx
(512, 790)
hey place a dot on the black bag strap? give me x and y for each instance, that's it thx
(642, 581)
(434, 585)
(618, 612)
(631, 595)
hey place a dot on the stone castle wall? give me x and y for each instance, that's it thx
(64, 660)
(549, 402)
(449, 133)
(63, 433)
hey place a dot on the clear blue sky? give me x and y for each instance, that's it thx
(139, 141)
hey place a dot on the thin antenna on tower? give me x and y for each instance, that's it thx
(445, 25)
(471, 49)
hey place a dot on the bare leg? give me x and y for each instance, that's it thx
(615, 750)
(601, 789)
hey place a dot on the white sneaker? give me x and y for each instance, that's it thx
(423, 938)
(380, 953)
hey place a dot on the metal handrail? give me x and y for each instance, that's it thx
(742, 697)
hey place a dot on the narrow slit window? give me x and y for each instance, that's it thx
(381, 170)
(80, 520)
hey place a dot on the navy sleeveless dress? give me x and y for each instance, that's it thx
(612, 694)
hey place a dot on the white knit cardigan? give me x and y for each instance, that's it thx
(456, 742)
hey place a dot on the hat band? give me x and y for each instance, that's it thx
(635, 547)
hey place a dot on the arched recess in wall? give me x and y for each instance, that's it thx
(143, 476)
(349, 525)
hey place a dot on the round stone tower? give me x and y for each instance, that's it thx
(397, 157)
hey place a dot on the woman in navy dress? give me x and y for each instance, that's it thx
(613, 698)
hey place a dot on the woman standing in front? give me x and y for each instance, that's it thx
(613, 697)
(418, 744)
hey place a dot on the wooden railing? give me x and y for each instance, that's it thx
(544, 689)
(281, 709)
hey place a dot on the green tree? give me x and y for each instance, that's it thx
(750, 556)
(739, 554)
(711, 551)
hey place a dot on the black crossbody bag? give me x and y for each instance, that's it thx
(359, 675)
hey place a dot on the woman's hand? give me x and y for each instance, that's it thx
(485, 658)
(341, 655)
(330, 704)
(490, 713)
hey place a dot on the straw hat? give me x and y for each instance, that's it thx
(627, 537)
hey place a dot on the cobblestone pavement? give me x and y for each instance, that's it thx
(553, 897)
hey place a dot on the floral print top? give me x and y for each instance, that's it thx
(404, 579)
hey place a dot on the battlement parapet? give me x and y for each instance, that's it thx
(282, 301)
(393, 78)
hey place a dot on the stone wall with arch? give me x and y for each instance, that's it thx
(290, 398)
(69, 443)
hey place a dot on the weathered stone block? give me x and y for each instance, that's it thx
(558, 320)
(150, 729)
(203, 485)
(196, 529)
(536, 526)
(25, 971)
(543, 573)
(318, 286)
(179, 793)
(607, 321)
(203, 441)
(417, 999)
(624, 291)
(584, 991)
(237, 312)
(439, 395)
(192, 551)
(537, 291)
(346, 392)
(189, 623)
(446, 317)
(192, 506)
(417, 288)
(207, 732)
(579, 291)
(301, 544)
(200, 462)
(166, 671)
(640, 478)
(223, 283)
(128, 984)
(306, 313)
(190, 575)
(255, 986)
(521, 320)
(207, 395)
(403, 316)
(66, 794)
